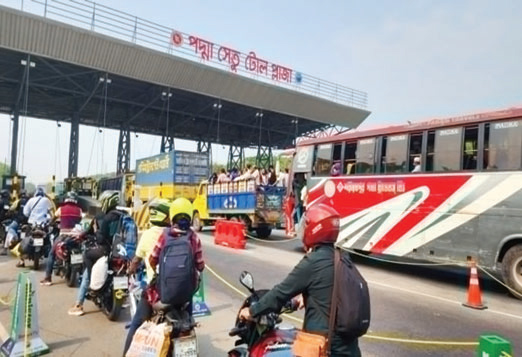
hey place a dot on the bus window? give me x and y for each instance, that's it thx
(384, 142)
(396, 153)
(430, 152)
(336, 159)
(469, 149)
(365, 156)
(448, 143)
(323, 159)
(349, 157)
(415, 149)
(503, 145)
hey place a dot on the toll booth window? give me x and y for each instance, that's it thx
(503, 145)
(365, 156)
(323, 159)
(469, 148)
(415, 149)
(396, 154)
(448, 143)
(350, 149)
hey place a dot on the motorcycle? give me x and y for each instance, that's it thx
(37, 242)
(182, 326)
(68, 259)
(109, 284)
(265, 335)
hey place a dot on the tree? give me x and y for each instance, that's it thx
(4, 169)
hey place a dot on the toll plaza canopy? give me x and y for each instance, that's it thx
(111, 69)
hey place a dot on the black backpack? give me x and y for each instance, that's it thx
(177, 270)
(350, 299)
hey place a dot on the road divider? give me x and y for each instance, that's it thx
(24, 337)
(230, 234)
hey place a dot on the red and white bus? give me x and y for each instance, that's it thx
(465, 203)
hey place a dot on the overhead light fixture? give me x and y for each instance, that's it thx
(217, 105)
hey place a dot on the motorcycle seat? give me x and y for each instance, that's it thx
(159, 306)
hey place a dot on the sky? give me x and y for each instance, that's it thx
(415, 59)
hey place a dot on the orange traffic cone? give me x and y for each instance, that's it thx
(474, 293)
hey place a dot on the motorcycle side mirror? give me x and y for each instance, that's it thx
(247, 280)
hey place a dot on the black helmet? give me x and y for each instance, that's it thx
(39, 192)
(72, 197)
(4, 193)
(109, 200)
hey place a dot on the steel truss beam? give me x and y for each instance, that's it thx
(74, 144)
(236, 158)
(167, 143)
(124, 146)
(264, 158)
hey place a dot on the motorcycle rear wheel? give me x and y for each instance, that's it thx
(112, 307)
(72, 276)
(36, 260)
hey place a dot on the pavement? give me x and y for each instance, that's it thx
(416, 311)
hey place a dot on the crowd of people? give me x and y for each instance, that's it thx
(170, 222)
(252, 172)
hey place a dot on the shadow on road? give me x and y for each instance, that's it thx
(67, 342)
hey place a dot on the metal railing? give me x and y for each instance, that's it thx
(117, 24)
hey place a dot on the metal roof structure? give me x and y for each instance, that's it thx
(110, 69)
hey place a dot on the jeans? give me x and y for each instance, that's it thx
(50, 264)
(82, 290)
(143, 313)
(10, 233)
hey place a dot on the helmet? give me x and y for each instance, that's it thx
(181, 212)
(321, 225)
(159, 212)
(71, 196)
(109, 200)
(4, 193)
(39, 192)
(23, 194)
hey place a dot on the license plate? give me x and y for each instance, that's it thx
(185, 347)
(76, 259)
(120, 282)
(38, 242)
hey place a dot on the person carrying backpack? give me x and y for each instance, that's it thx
(314, 277)
(175, 283)
(103, 228)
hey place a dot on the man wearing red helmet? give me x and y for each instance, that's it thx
(313, 277)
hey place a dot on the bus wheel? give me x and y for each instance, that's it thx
(512, 269)
(196, 222)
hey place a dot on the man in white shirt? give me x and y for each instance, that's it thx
(38, 210)
(416, 165)
(283, 178)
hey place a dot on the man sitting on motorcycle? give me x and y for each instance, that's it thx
(70, 214)
(181, 214)
(158, 219)
(313, 277)
(18, 219)
(38, 210)
(107, 225)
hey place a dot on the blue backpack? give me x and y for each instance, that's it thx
(177, 270)
(125, 239)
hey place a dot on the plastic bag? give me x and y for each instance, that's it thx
(150, 340)
(99, 273)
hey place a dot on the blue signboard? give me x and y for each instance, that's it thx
(155, 169)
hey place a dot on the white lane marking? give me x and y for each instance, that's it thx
(519, 317)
